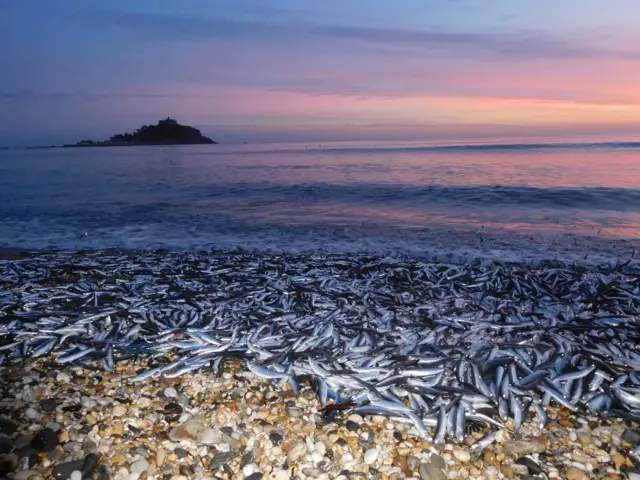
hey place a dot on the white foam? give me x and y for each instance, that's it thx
(448, 245)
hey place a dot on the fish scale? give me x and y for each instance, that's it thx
(429, 344)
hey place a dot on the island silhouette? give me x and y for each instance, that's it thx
(166, 132)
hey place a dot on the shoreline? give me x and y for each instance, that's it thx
(475, 247)
(374, 331)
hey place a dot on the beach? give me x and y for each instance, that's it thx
(150, 364)
(356, 310)
(338, 240)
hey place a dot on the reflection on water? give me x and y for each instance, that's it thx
(590, 191)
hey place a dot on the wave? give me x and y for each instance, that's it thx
(499, 147)
(438, 244)
(230, 197)
(447, 148)
(592, 198)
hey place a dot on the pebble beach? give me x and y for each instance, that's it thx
(57, 422)
(79, 420)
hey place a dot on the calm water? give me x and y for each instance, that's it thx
(320, 196)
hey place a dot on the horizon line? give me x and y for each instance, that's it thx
(446, 146)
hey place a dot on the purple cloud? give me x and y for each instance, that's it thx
(518, 45)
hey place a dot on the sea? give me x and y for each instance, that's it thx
(456, 203)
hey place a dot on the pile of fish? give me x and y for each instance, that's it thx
(442, 347)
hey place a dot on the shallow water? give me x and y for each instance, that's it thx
(364, 195)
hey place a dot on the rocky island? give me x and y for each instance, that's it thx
(166, 132)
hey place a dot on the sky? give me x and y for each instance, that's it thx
(299, 70)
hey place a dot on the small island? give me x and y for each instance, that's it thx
(166, 132)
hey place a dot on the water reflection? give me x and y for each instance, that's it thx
(591, 191)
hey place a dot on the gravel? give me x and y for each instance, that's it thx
(204, 426)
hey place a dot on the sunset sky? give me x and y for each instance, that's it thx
(272, 70)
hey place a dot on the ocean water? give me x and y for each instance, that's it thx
(511, 202)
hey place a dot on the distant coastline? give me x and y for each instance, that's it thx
(165, 132)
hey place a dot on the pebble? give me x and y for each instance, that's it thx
(632, 436)
(26, 474)
(433, 469)
(5, 445)
(89, 464)
(294, 412)
(618, 460)
(119, 410)
(250, 469)
(173, 408)
(31, 413)
(297, 451)
(584, 439)
(45, 440)
(143, 402)
(320, 448)
(28, 456)
(279, 475)
(247, 458)
(490, 458)
(316, 457)
(491, 471)
(462, 454)
(142, 451)
(533, 467)
(7, 426)
(72, 446)
(63, 471)
(518, 469)
(140, 466)
(209, 436)
(76, 475)
(524, 447)
(366, 440)
(190, 431)
(352, 426)
(118, 429)
(170, 392)
(507, 471)
(371, 455)
(181, 452)
(312, 472)
(160, 456)
(220, 459)
(63, 377)
(355, 418)
(579, 457)
(574, 473)
(55, 455)
(56, 427)
(24, 440)
(48, 404)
